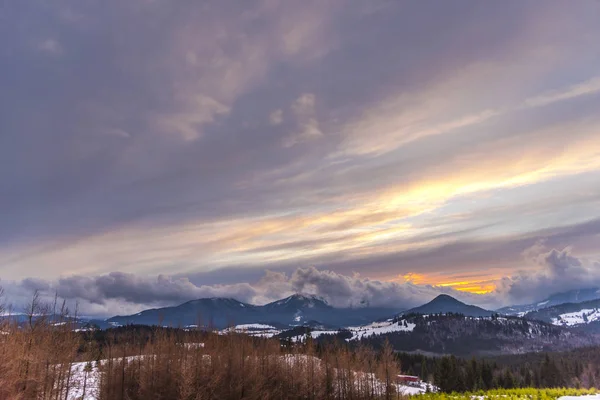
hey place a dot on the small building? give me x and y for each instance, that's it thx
(408, 379)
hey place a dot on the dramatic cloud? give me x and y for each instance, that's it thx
(110, 293)
(211, 142)
(549, 272)
(556, 271)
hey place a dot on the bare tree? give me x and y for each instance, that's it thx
(2, 304)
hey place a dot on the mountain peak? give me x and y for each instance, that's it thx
(216, 300)
(445, 298)
(306, 297)
(444, 304)
(300, 300)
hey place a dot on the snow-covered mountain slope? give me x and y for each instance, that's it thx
(455, 334)
(462, 335)
(257, 330)
(569, 314)
(584, 316)
(379, 328)
(572, 296)
(357, 332)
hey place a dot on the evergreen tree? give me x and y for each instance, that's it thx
(473, 375)
(424, 372)
(508, 381)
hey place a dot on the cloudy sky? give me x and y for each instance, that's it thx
(155, 151)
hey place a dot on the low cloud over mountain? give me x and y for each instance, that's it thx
(554, 271)
(129, 292)
(550, 271)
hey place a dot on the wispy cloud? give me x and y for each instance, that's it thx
(588, 87)
(50, 46)
(276, 117)
(277, 135)
(304, 110)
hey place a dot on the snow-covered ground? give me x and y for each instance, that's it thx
(316, 334)
(364, 331)
(313, 334)
(85, 378)
(415, 390)
(254, 326)
(379, 386)
(192, 345)
(577, 318)
(85, 382)
(378, 328)
(590, 397)
(258, 330)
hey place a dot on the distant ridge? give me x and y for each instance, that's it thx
(295, 310)
(571, 296)
(444, 304)
(569, 314)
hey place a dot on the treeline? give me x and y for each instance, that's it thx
(576, 369)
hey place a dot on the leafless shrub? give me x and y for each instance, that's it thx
(44, 358)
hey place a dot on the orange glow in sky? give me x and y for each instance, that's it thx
(477, 286)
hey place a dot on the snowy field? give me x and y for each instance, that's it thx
(378, 328)
(364, 331)
(577, 318)
(85, 382)
(258, 330)
(358, 332)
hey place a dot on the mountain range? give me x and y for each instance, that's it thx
(569, 314)
(292, 311)
(444, 325)
(313, 311)
(296, 310)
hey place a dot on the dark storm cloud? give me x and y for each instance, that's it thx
(558, 271)
(140, 290)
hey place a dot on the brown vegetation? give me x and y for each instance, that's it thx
(37, 358)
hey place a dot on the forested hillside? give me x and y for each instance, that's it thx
(460, 335)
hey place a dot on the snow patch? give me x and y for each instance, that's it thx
(577, 318)
(254, 326)
(379, 328)
(257, 330)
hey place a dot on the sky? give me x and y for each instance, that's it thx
(380, 152)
